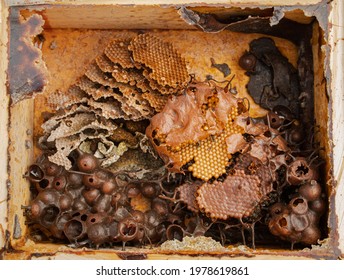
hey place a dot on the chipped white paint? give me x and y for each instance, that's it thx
(336, 41)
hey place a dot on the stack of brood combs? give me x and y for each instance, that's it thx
(138, 153)
(130, 81)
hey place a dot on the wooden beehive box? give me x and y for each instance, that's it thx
(87, 25)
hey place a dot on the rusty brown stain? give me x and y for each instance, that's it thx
(27, 73)
(132, 256)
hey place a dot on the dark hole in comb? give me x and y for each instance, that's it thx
(298, 201)
(74, 229)
(44, 183)
(302, 170)
(267, 134)
(129, 230)
(156, 142)
(283, 222)
(49, 214)
(36, 172)
(83, 217)
(76, 214)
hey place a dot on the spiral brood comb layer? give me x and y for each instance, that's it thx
(114, 87)
(164, 63)
(117, 51)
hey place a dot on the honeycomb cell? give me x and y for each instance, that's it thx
(166, 65)
(236, 197)
(187, 194)
(196, 129)
(104, 63)
(155, 99)
(117, 51)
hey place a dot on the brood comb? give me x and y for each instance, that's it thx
(137, 84)
(187, 194)
(236, 197)
(253, 166)
(163, 62)
(117, 52)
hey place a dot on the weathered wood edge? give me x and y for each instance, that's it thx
(164, 2)
(4, 114)
(336, 43)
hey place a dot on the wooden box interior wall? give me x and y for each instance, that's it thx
(146, 17)
(4, 103)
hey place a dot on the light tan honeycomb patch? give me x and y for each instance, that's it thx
(117, 51)
(156, 100)
(156, 86)
(95, 74)
(136, 101)
(58, 100)
(93, 89)
(104, 63)
(167, 66)
(127, 76)
(210, 156)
